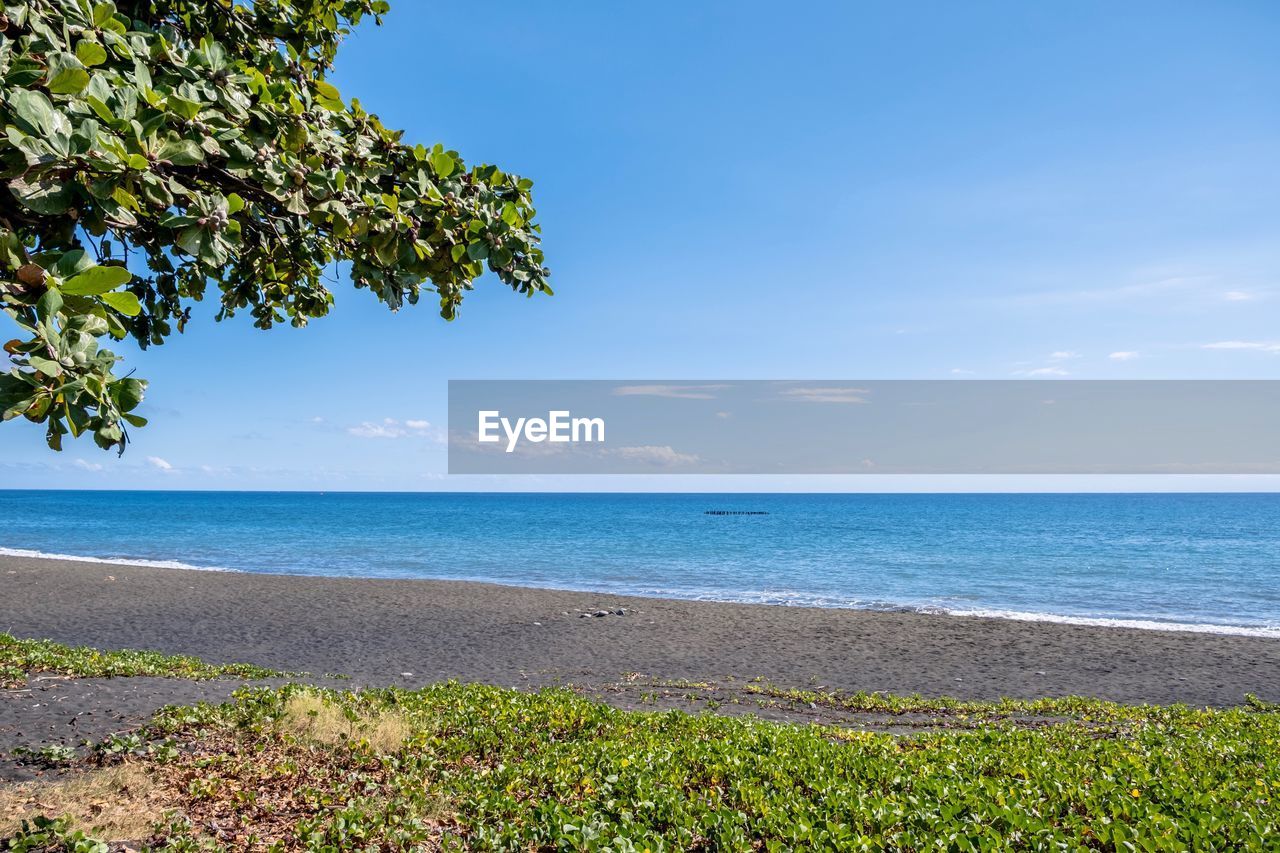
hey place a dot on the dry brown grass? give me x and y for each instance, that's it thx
(309, 716)
(234, 790)
(117, 803)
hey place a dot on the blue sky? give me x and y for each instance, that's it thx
(929, 190)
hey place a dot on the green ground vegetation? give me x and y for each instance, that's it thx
(457, 766)
(20, 658)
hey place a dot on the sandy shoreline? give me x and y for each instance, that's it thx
(377, 630)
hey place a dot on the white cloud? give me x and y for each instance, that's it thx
(724, 414)
(1042, 371)
(1238, 296)
(1123, 355)
(659, 456)
(1259, 346)
(960, 371)
(836, 394)
(368, 429)
(157, 462)
(1157, 288)
(87, 466)
(392, 428)
(1063, 355)
(663, 456)
(680, 392)
(470, 440)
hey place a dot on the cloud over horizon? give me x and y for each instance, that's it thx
(679, 392)
(827, 394)
(393, 428)
(1042, 371)
(1257, 346)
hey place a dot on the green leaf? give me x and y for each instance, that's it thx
(235, 203)
(128, 393)
(181, 152)
(124, 302)
(71, 263)
(46, 366)
(15, 397)
(477, 250)
(103, 12)
(156, 192)
(191, 239)
(49, 304)
(49, 197)
(91, 53)
(115, 328)
(66, 75)
(35, 112)
(442, 163)
(97, 280)
(12, 252)
(183, 107)
(100, 107)
(77, 419)
(141, 77)
(511, 215)
(327, 96)
(124, 198)
(387, 250)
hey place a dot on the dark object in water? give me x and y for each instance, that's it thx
(735, 512)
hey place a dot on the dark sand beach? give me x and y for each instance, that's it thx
(413, 632)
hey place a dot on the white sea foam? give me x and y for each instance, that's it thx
(800, 599)
(112, 561)
(1270, 631)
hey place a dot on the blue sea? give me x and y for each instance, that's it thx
(1207, 562)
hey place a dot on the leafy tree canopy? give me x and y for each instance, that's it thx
(149, 149)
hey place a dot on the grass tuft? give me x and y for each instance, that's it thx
(20, 658)
(310, 716)
(113, 802)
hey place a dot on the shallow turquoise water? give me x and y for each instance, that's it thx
(1208, 561)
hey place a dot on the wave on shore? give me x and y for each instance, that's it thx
(774, 598)
(1141, 624)
(803, 600)
(111, 561)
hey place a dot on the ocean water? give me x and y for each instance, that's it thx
(1207, 562)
